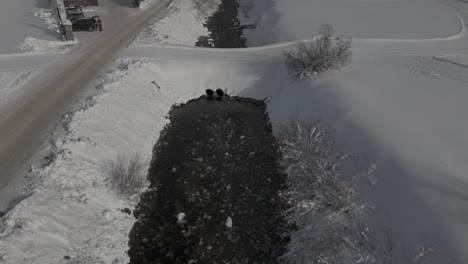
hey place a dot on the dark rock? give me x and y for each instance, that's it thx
(126, 211)
(219, 93)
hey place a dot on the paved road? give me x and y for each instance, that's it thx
(27, 119)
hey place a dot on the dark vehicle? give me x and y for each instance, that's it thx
(86, 24)
(136, 3)
(74, 10)
(81, 2)
(72, 17)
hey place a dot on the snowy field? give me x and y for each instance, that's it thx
(400, 103)
(73, 211)
(280, 21)
(18, 21)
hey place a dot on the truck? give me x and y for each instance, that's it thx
(80, 3)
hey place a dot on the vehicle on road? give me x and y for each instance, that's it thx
(72, 17)
(86, 24)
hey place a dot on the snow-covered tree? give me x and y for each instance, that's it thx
(325, 205)
(324, 53)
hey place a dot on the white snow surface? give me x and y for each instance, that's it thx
(401, 102)
(20, 19)
(280, 21)
(40, 46)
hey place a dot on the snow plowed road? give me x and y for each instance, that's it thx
(30, 116)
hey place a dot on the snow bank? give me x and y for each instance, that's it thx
(39, 46)
(24, 18)
(49, 21)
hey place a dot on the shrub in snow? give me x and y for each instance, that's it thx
(127, 175)
(324, 53)
(325, 205)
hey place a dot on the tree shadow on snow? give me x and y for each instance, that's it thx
(394, 195)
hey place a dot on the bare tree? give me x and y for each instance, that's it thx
(389, 244)
(324, 53)
(127, 175)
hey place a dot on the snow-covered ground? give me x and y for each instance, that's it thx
(22, 19)
(27, 28)
(401, 103)
(73, 211)
(279, 21)
(30, 43)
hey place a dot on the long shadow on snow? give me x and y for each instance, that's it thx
(395, 194)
